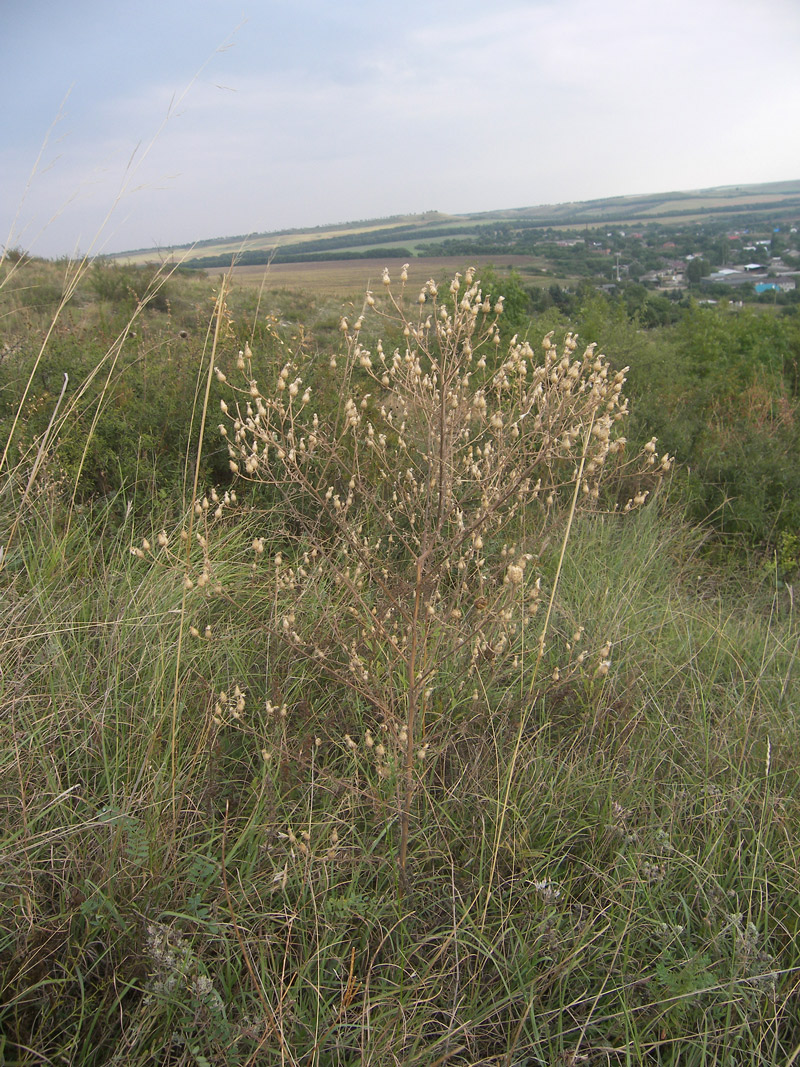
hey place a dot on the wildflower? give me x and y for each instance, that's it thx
(548, 890)
(514, 574)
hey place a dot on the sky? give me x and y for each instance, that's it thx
(164, 122)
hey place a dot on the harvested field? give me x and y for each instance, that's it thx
(345, 277)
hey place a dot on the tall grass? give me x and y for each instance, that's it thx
(203, 821)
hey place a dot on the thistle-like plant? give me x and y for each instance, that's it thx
(414, 507)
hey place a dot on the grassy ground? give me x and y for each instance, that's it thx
(201, 828)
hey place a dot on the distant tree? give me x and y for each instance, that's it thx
(720, 254)
(696, 269)
(517, 299)
(560, 298)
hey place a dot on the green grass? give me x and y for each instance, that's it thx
(185, 882)
(645, 898)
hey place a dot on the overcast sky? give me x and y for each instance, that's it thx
(190, 119)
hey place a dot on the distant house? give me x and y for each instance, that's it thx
(783, 283)
(667, 278)
(728, 276)
(779, 285)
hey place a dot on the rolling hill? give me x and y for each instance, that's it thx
(508, 230)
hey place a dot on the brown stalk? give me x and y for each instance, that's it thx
(411, 721)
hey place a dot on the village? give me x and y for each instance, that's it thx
(752, 265)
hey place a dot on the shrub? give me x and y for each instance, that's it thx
(414, 509)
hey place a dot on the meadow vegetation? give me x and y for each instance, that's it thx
(375, 689)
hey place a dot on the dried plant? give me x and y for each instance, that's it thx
(414, 509)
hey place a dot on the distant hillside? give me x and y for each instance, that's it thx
(504, 231)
